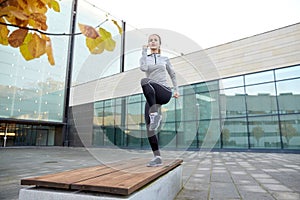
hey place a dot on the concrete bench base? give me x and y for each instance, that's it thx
(166, 187)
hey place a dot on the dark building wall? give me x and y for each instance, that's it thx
(81, 125)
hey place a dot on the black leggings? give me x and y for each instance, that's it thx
(156, 95)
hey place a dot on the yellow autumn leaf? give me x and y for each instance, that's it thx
(95, 46)
(36, 6)
(3, 33)
(17, 37)
(54, 5)
(88, 31)
(24, 48)
(109, 43)
(38, 20)
(19, 14)
(119, 28)
(22, 4)
(49, 50)
(37, 46)
(33, 46)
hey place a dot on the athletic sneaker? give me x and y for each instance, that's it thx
(155, 162)
(155, 119)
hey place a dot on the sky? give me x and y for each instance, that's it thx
(207, 22)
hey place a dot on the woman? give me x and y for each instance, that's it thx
(156, 90)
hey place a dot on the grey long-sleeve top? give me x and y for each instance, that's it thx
(156, 67)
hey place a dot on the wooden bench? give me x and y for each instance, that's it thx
(121, 178)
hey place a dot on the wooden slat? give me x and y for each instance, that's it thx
(122, 177)
(65, 179)
(125, 183)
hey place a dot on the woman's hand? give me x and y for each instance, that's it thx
(176, 95)
(145, 46)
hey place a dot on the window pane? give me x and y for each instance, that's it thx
(186, 134)
(290, 130)
(286, 73)
(289, 96)
(232, 82)
(259, 77)
(234, 133)
(134, 115)
(98, 136)
(208, 105)
(134, 138)
(98, 116)
(234, 102)
(167, 135)
(209, 134)
(264, 132)
(206, 86)
(261, 99)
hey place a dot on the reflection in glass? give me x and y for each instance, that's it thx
(289, 96)
(261, 99)
(208, 105)
(260, 77)
(232, 82)
(264, 132)
(167, 135)
(286, 73)
(234, 133)
(234, 102)
(134, 116)
(209, 134)
(290, 130)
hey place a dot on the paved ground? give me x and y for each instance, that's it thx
(207, 175)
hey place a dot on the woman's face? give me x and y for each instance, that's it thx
(154, 42)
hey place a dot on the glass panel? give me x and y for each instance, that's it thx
(286, 73)
(209, 134)
(261, 99)
(232, 82)
(94, 66)
(290, 130)
(168, 111)
(109, 116)
(98, 136)
(24, 84)
(167, 136)
(98, 104)
(145, 142)
(134, 116)
(134, 138)
(207, 105)
(51, 135)
(234, 133)
(260, 77)
(119, 117)
(134, 98)
(289, 96)
(206, 86)
(98, 114)
(186, 134)
(41, 139)
(235, 105)
(264, 132)
(109, 137)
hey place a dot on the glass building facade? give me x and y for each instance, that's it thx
(251, 111)
(33, 93)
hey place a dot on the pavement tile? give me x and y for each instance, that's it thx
(223, 191)
(286, 195)
(277, 187)
(206, 175)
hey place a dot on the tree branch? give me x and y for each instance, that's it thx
(45, 33)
